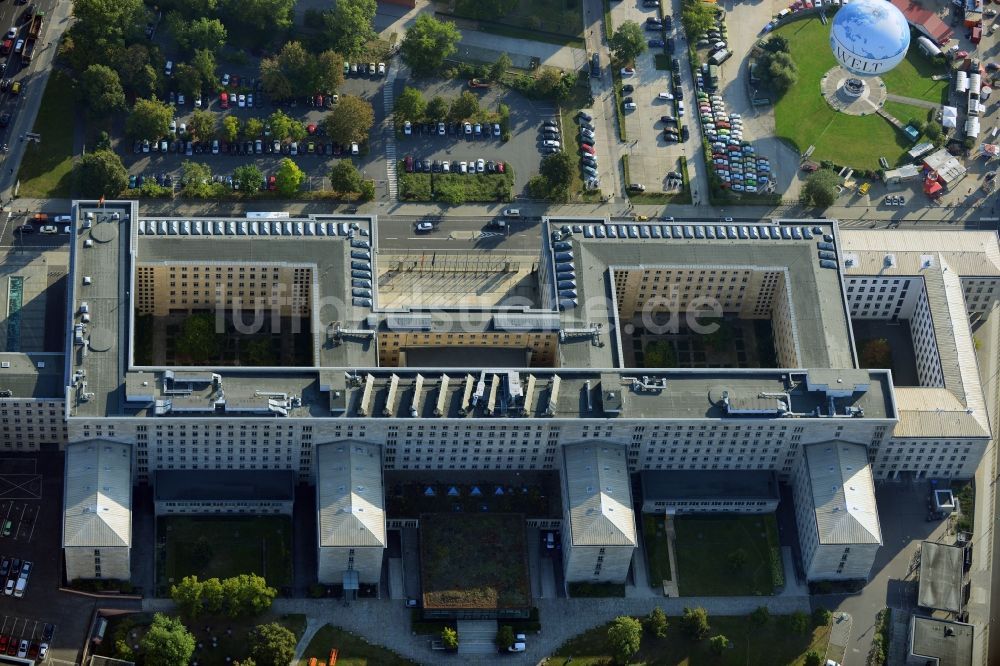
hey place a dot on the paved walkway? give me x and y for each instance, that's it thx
(312, 626)
(912, 101)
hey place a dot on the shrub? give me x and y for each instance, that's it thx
(821, 616)
(656, 622)
(695, 623)
(760, 616)
(798, 623)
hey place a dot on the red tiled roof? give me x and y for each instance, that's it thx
(927, 19)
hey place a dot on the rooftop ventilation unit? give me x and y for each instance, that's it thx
(418, 391)
(442, 400)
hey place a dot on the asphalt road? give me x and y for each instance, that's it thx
(455, 234)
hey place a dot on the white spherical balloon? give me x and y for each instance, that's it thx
(869, 37)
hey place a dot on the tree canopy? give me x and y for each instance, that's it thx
(352, 120)
(428, 42)
(102, 90)
(410, 105)
(627, 42)
(167, 642)
(199, 340)
(272, 645)
(349, 26)
(289, 177)
(150, 119)
(345, 177)
(101, 174)
(624, 637)
(248, 178)
(821, 188)
(695, 623)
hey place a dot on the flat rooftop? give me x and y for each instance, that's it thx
(33, 375)
(947, 643)
(941, 569)
(818, 306)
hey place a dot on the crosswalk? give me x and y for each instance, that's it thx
(389, 129)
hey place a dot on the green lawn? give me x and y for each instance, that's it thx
(527, 19)
(912, 78)
(223, 547)
(906, 112)
(46, 170)
(352, 650)
(704, 546)
(751, 645)
(657, 555)
(482, 187)
(803, 117)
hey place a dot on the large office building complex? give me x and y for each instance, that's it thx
(363, 363)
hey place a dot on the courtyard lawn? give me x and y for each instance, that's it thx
(474, 560)
(352, 650)
(772, 644)
(47, 168)
(224, 547)
(657, 554)
(705, 547)
(803, 118)
(553, 21)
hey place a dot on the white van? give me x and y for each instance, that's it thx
(19, 588)
(168, 69)
(512, 212)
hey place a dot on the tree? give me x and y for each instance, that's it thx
(266, 17)
(247, 594)
(328, 72)
(695, 623)
(349, 26)
(624, 637)
(106, 19)
(196, 179)
(558, 169)
(718, 644)
(272, 644)
(656, 622)
(500, 68)
(202, 124)
(428, 43)
(167, 642)
(449, 637)
(760, 616)
(345, 177)
(204, 33)
(253, 128)
(187, 595)
(464, 107)
(212, 596)
(199, 340)
(505, 637)
(101, 88)
(821, 616)
(813, 658)
(280, 125)
(248, 178)
(297, 131)
(101, 173)
(297, 65)
(932, 129)
(351, 122)
(781, 71)
(137, 75)
(547, 81)
(230, 128)
(150, 119)
(737, 559)
(410, 105)
(288, 177)
(276, 84)
(798, 622)
(698, 17)
(188, 79)
(203, 61)
(627, 42)
(821, 188)
(437, 108)
(875, 353)
(777, 44)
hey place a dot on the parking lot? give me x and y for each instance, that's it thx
(24, 637)
(651, 155)
(522, 151)
(315, 165)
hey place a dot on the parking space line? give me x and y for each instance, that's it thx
(33, 523)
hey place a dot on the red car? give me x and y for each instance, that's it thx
(33, 650)
(272, 183)
(224, 100)
(319, 101)
(4, 641)
(409, 163)
(500, 167)
(311, 129)
(588, 149)
(12, 648)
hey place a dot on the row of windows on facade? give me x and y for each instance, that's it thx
(710, 503)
